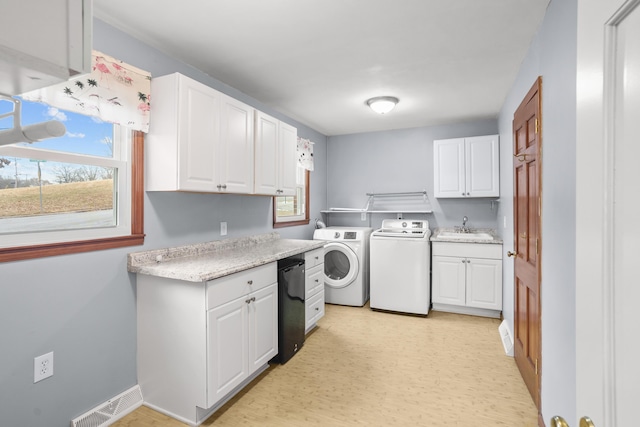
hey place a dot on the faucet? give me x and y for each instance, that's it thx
(464, 228)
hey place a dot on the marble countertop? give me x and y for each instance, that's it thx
(437, 237)
(211, 260)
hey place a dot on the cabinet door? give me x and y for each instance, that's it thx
(227, 348)
(449, 168)
(198, 135)
(236, 147)
(449, 281)
(484, 283)
(288, 162)
(481, 158)
(263, 326)
(266, 152)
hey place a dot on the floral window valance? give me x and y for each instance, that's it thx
(305, 153)
(114, 91)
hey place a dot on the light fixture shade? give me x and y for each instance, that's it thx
(382, 104)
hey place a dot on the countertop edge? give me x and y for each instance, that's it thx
(210, 265)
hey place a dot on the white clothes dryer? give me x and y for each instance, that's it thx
(346, 264)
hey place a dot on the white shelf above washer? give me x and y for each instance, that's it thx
(398, 202)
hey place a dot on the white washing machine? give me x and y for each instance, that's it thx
(400, 264)
(346, 264)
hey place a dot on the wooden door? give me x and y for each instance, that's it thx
(607, 212)
(526, 165)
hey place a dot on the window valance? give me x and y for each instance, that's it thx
(114, 91)
(305, 153)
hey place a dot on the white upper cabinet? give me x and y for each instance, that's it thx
(467, 167)
(62, 49)
(199, 139)
(275, 162)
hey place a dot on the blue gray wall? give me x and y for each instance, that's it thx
(399, 161)
(82, 307)
(552, 55)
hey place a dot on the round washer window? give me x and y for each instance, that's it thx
(340, 265)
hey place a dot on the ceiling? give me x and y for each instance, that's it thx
(318, 61)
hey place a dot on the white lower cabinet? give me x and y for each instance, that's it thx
(314, 287)
(200, 343)
(467, 278)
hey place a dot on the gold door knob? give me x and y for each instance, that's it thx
(512, 253)
(586, 422)
(558, 421)
(521, 157)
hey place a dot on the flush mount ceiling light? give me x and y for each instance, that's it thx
(382, 104)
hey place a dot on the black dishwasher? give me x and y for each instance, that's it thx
(291, 318)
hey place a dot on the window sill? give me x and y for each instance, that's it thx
(290, 223)
(40, 251)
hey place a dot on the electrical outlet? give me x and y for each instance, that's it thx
(363, 216)
(42, 367)
(223, 228)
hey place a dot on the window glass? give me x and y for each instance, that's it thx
(293, 210)
(74, 187)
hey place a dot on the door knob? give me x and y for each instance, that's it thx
(586, 422)
(512, 253)
(558, 421)
(521, 157)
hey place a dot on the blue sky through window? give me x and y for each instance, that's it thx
(85, 135)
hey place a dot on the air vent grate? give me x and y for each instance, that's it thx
(112, 410)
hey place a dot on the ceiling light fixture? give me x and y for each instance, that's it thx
(382, 104)
(31, 133)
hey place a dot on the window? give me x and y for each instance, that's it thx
(80, 192)
(293, 210)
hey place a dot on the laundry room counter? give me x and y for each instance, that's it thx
(211, 260)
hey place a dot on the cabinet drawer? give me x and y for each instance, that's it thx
(314, 257)
(314, 309)
(472, 250)
(314, 280)
(225, 289)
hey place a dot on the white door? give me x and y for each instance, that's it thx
(199, 135)
(227, 348)
(608, 208)
(449, 280)
(236, 146)
(481, 159)
(484, 283)
(288, 162)
(449, 168)
(263, 326)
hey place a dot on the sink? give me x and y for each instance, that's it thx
(465, 236)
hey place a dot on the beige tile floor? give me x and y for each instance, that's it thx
(372, 368)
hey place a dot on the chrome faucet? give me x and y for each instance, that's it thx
(464, 228)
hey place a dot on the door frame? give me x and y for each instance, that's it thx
(596, 286)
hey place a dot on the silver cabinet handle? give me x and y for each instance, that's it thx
(224, 186)
(317, 308)
(219, 186)
(250, 282)
(248, 301)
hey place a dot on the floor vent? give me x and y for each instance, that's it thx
(112, 410)
(505, 336)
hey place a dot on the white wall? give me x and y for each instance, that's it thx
(399, 161)
(552, 55)
(82, 306)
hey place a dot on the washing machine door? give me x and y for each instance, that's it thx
(341, 265)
